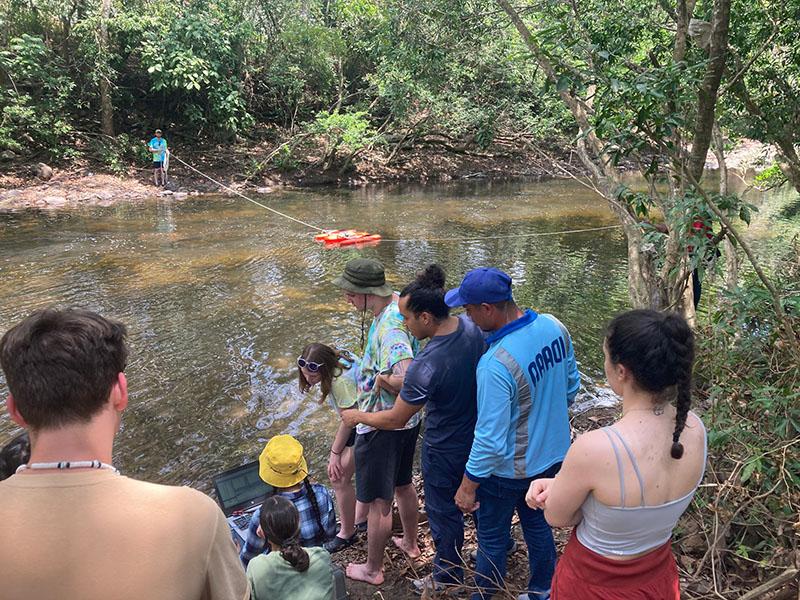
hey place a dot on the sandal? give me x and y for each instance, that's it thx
(338, 543)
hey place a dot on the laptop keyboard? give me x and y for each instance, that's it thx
(242, 521)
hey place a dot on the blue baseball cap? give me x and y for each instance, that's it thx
(485, 285)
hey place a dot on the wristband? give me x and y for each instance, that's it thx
(336, 453)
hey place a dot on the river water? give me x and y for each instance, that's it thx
(220, 296)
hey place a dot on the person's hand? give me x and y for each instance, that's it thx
(335, 466)
(538, 493)
(349, 417)
(465, 500)
(381, 382)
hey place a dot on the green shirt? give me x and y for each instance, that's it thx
(272, 577)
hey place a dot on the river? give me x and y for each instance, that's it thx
(220, 296)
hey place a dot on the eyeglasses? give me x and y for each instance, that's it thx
(307, 364)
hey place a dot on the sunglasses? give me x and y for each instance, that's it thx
(307, 364)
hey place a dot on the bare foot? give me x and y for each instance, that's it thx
(359, 572)
(411, 550)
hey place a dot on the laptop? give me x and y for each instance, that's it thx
(240, 491)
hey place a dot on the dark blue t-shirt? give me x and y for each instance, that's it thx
(442, 376)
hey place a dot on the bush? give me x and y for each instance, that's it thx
(35, 104)
(753, 416)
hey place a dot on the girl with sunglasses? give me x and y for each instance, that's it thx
(335, 371)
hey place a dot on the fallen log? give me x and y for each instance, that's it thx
(768, 586)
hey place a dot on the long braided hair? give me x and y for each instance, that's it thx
(658, 349)
(319, 536)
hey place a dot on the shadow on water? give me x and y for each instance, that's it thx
(220, 296)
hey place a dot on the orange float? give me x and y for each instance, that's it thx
(346, 237)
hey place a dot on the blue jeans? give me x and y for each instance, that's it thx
(441, 473)
(499, 498)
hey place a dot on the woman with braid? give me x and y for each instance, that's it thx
(289, 571)
(283, 466)
(625, 486)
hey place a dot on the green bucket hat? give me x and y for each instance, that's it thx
(364, 276)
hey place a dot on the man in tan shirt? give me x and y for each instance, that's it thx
(72, 527)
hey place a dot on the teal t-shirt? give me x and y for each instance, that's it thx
(271, 577)
(158, 144)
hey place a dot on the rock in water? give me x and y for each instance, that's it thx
(43, 171)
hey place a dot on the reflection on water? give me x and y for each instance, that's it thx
(220, 296)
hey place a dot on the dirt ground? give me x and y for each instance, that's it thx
(83, 184)
(251, 171)
(400, 570)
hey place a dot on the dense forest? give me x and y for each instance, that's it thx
(647, 85)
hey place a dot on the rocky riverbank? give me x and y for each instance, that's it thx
(250, 169)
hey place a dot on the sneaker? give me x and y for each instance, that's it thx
(535, 596)
(338, 543)
(473, 556)
(427, 585)
(361, 527)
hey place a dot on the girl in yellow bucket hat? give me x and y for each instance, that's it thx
(283, 466)
(335, 372)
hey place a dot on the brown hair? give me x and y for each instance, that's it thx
(280, 523)
(61, 365)
(329, 358)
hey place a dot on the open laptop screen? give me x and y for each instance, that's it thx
(240, 488)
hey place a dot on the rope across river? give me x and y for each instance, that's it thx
(395, 241)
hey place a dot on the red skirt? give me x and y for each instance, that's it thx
(582, 574)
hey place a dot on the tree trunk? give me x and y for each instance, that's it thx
(707, 94)
(645, 287)
(731, 258)
(788, 160)
(106, 107)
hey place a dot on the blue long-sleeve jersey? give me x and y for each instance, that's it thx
(526, 381)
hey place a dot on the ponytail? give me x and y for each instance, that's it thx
(280, 523)
(293, 553)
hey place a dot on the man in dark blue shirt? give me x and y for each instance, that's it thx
(441, 377)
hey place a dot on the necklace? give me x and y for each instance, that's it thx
(69, 464)
(657, 410)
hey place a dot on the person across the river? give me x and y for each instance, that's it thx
(158, 149)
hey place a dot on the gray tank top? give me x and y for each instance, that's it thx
(623, 531)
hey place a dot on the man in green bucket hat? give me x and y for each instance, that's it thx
(383, 458)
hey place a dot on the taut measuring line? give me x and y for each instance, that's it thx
(222, 185)
(445, 239)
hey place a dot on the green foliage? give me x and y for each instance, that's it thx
(348, 131)
(750, 381)
(197, 58)
(284, 159)
(119, 152)
(770, 177)
(35, 103)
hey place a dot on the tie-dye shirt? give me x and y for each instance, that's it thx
(388, 342)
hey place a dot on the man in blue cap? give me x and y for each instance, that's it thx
(526, 380)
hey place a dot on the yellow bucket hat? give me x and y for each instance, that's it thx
(282, 463)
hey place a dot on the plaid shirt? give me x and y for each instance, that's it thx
(254, 545)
